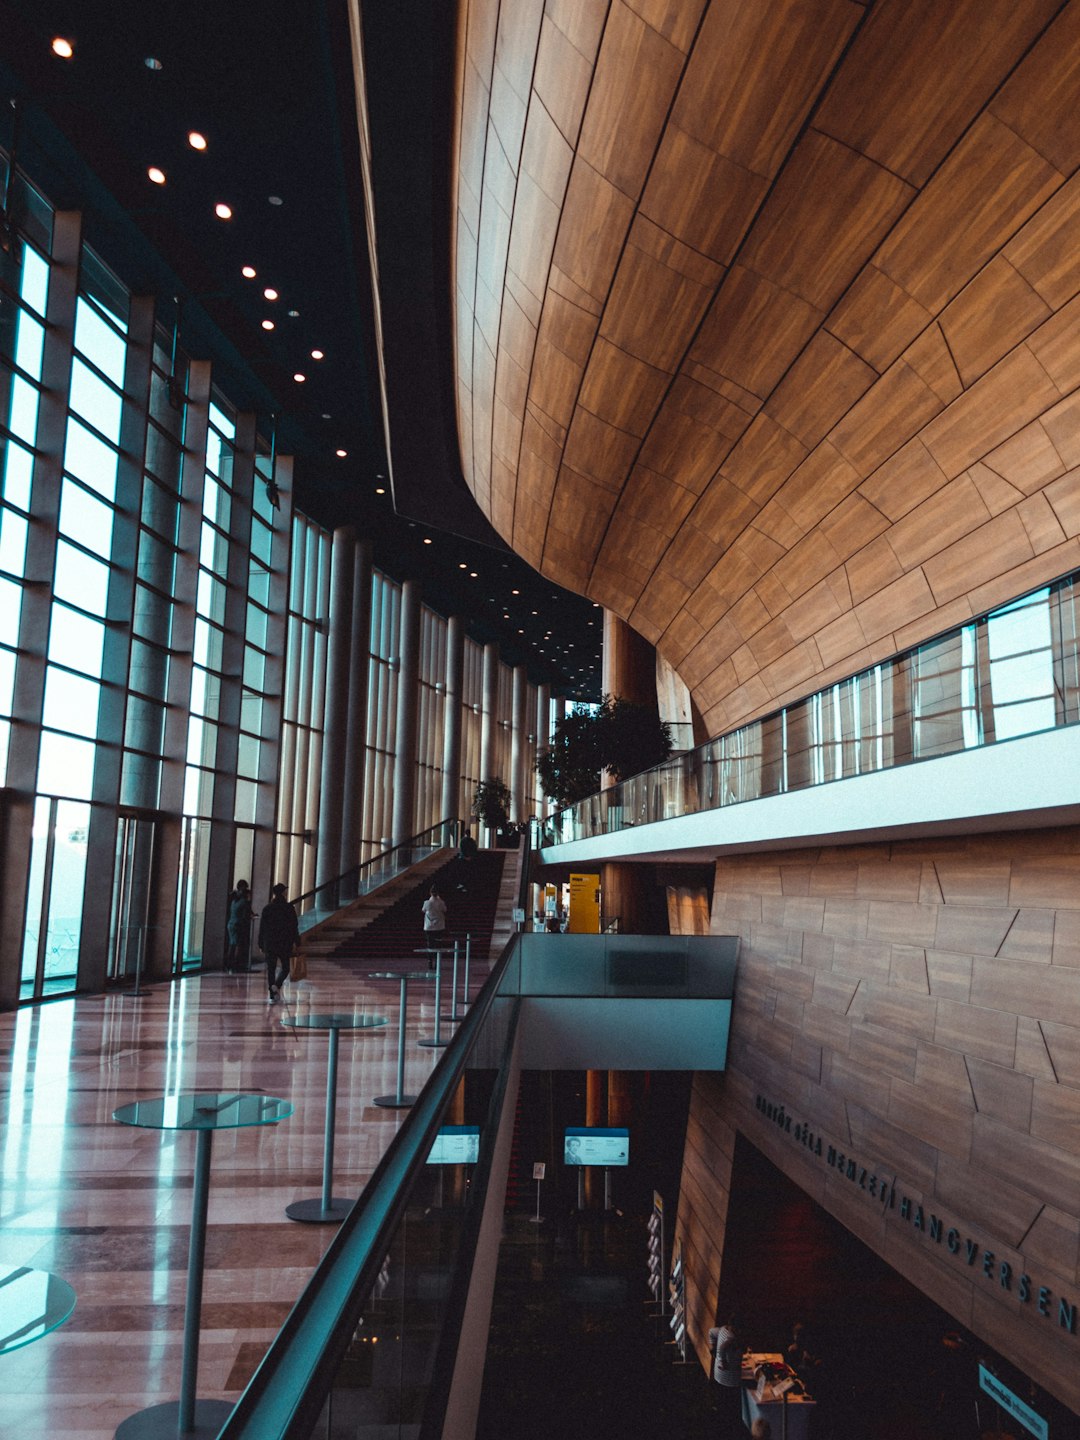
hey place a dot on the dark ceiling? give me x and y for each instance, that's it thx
(270, 87)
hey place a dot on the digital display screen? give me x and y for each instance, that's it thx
(593, 1145)
(456, 1145)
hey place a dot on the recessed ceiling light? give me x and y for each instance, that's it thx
(330, 417)
(223, 211)
(462, 565)
(317, 355)
(268, 325)
(427, 540)
(270, 293)
(275, 200)
(153, 63)
(248, 272)
(341, 454)
(62, 47)
(515, 592)
(299, 378)
(379, 490)
(156, 175)
(294, 314)
(196, 141)
(472, 575)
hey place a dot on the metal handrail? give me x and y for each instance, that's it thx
(351, 884)
(286, 1394)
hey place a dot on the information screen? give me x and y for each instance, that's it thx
(456, 1145)
(594, 1145)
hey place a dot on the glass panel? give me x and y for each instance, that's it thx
(202, 742)
(259, 585)
(205, 693)
(86, 519)
(247, 761)
(76, 641)
(145, 725)
(65, 766)
(214, 551)
(99, 342)
(208, 645)
(157, 562)
(194, 869)
(245, 801)
(257, 622)
(10, 611)
(261, 541)
(90, 460)
(29, 345)
(80, 579)
(148, 669)
(251, 712)
(254, 669)
(163, 459)
(5, 741)
(217, 503)
(35, 894)
(211, 597)
(90, 397)
(66, 897)
(198, 791)
(7, 680)
(18, 472)
(13, 532)
(34, 289)
(71, 702)
(22, 421)
(140, 780)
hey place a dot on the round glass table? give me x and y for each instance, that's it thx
(328, 1208)
(204, 1113)
(399, 1100)
(32, 1302)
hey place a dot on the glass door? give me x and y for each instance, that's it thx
(50, 959)
(130, 910)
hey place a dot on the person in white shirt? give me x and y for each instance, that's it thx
(434, 908)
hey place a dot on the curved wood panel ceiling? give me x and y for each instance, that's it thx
(767, 326)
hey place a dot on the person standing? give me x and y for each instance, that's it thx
(467, 852)
(434, 908)
(727, 1369)
(279, 931)
(238, 928)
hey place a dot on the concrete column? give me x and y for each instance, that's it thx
(451, 806)
(352, 810)
(336, 722)
(519, 807)
(407, 712)
(543, 736)
(488, 707)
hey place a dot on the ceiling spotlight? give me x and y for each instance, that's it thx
(268, 325)
(379, 490)
(462, 565)
(515, 592)
(222, 211)
(156, 175)
(270, 293)
(341, 454)
(153, 63)
(248, 272)
(472, 575)
(275, 200)
(317, 355)
(64, 48)
(299, 378)
(294, 314)
(427, 540)
(196, 141)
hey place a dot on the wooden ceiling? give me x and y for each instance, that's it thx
(767, 320)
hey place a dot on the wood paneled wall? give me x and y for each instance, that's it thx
(915, 1008)
(768, 317)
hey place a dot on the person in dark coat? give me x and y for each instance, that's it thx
(238, 927)
(279, 930)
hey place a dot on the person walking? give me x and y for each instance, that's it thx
(434, 908)
(279, 931)
(238, 929)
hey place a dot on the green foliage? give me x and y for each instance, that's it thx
(491, 804)
(619, 737)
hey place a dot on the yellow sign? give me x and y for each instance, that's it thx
(584, 905)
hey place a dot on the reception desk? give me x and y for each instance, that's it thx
(788, 1410)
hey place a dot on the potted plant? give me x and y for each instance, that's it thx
(491, 805)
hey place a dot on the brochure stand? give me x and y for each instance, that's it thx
(656, 1252)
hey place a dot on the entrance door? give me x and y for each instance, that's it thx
(132, 878)
(50, 959)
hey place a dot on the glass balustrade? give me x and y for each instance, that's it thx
(1009, 673)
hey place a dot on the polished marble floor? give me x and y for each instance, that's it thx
(107, 1206)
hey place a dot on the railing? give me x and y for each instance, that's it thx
(315, 905)
(366, 1344)
(1012, 672)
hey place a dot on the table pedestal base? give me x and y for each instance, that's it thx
(316, 1213)
(394, 1102)
(161, 1422)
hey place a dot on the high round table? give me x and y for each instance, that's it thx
(400, 1101)
(328, 1208)
(32, 1302)
(204, 1113)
